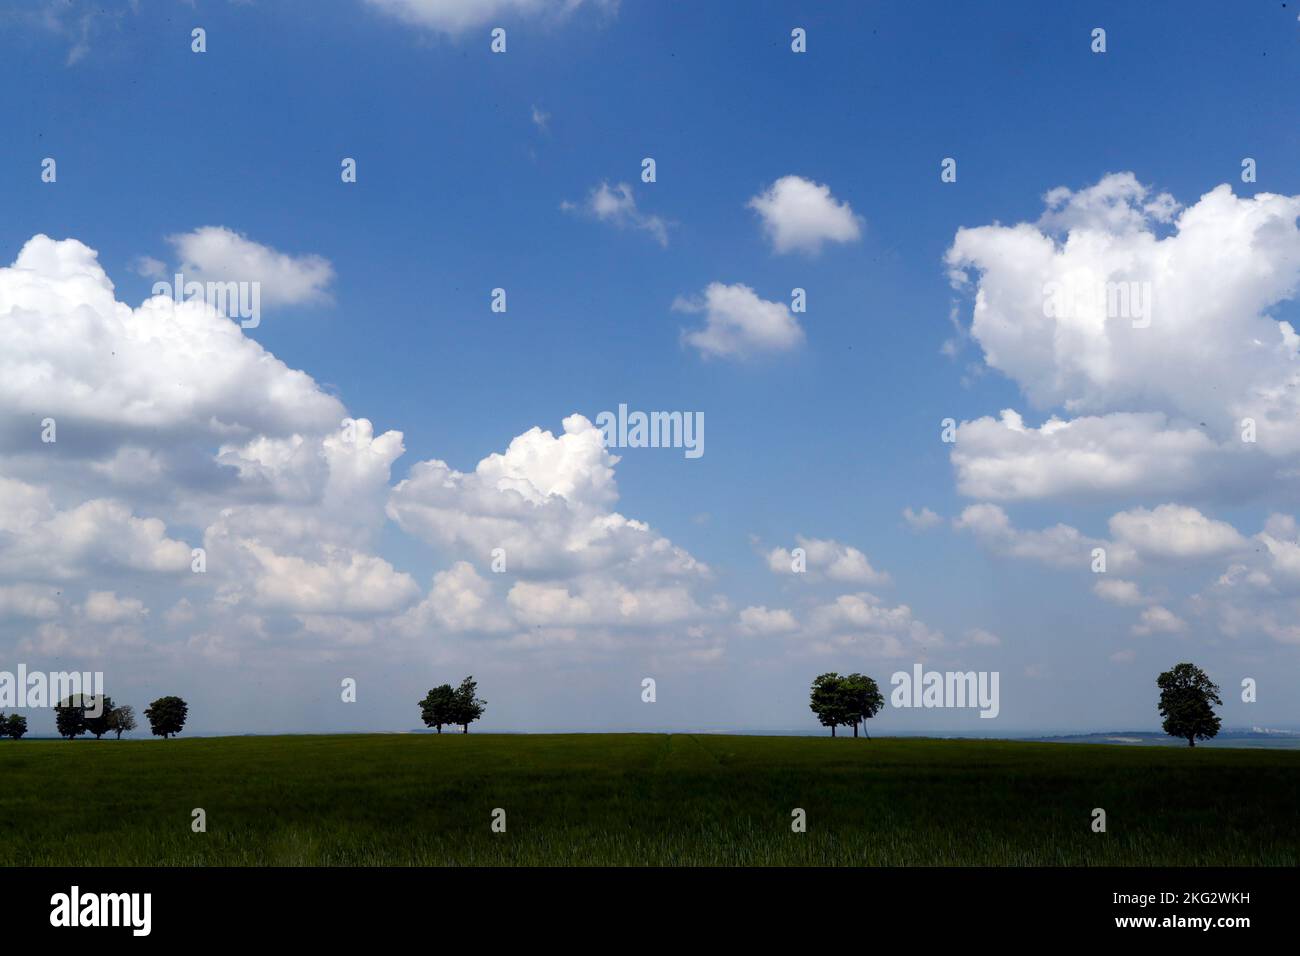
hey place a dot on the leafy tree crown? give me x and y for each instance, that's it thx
(1186, 698)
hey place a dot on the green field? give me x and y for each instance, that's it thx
(641, 799)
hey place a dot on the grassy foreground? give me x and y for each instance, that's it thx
(640, 799)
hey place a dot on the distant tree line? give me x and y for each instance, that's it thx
(454, 707)
(85, 714)
(1187, 699)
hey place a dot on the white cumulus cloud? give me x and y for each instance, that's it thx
(799, 215)
(823, 557)
(760, 620)
(1148, 325)
(738, 324)
(922, 520)
(1175, 531)
(1158, 620)
(218, 254)
(1119, 591)
(105, 607)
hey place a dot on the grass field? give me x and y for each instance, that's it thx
(641, 799)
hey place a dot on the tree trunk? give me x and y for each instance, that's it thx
(832, 730)
(440, 728)
(1191, 741)
(855, 730)
(464, 728)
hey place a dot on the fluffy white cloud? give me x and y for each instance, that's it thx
(826, 558)
(1110, 455)
(194, 431)
(1059, 546)
(760, 620)
(1151, 333)
(616, 205)
(1227, 261)
(1175, 531)
(190, 419)
(1118, 204)
(461, 600)
(337, 581)
(456, 16)
(218, 254)
(1258, 593)
(1158, 620)
(1168, 531)
(1269, 569)
(799, 215)
(1152, 326)
(1119, 591)
(1265, 567)
(306, 551)
(542, 511)
(738, 324)
(863, 623)
(174, 370)
(1283, 557)
(545, 502)
(39, 540)
(601, 600)
(105, 607)
(922, 520)
(29, 600)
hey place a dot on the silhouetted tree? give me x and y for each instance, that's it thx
(1186, 693)
(121, 719)
(829, 701)
(15, 726)
(103, 723)
(438, 706)
(70, 716)
(166, 716)
(862, 699)
(466, 707)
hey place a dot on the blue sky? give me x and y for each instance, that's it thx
(466, 160)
